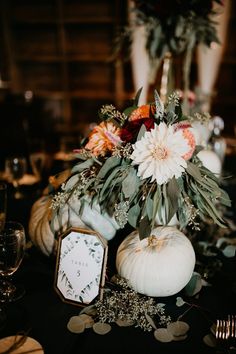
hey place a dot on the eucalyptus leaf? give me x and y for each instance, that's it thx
(149, 207)
(210, 340)
(150, 320)
(178, 328)
(194, 171)
(108, 181)
(124, 323)
(225, 199)
(144, 228)
(159, 105)
(179, 301)
(167, 206)
(163, 335)
(82, 166)
(194, 285)
(76, 325)
(141, 133)
(129, 110)
(137, 96)
(71, 182)
(210, 207)
(229, 251)
(130, 184)
(101, 328)
(173, 193)
(133, 215)
(157, 201)
(109, 164)
(79, 156)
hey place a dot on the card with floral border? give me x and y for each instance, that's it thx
(80, 267)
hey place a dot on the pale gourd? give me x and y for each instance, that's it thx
(159, 265)
(44, 230)
(211, 160)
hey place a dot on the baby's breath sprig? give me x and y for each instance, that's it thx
(121, 213)
(174, 99)
(200, 117)
(59, 200)
(122, 151)
(193, 213)
(126, 305)
(109, 112)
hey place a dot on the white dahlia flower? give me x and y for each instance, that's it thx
(160, 153)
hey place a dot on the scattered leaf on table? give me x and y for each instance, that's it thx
(88, 320)
(213, 329)
(179, 338)
(209, 340)
(76, 325)
(150, 320)
(101, 328)
(194, 285)
(229, 251)
(124, 323)
(179, 301)
(178, 328)
(163, 335)
(89, 310)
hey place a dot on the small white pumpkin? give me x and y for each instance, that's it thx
(211, 160)
(43, 230)
(41, 237)
(160, 265)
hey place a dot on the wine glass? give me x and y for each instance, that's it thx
(15, 168)
(12, 247)
(3, 209)
(37, 160)
(3, 204)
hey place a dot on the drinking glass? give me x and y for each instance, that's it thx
(15, 168)
(3, 204)
(12, 247)
(37, 160)
(3, 209)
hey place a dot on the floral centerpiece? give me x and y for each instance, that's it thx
(169, 29)
(141, 167)
(176, 26)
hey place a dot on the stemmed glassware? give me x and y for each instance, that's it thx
(3, 204)
(3, 210)
(12, 247)
(37, 160)
(15, 168)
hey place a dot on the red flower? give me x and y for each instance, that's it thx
(130, 131)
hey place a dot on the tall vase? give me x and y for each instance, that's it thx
(166, 77)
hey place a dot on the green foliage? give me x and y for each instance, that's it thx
(112, 180)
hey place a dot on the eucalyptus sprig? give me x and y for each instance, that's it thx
(112, 180)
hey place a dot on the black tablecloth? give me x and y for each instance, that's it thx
(45, 316)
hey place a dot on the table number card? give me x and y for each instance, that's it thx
(81, 264)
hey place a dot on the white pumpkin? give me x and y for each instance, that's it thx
(211, 160)
(43, 230)
(160, 265)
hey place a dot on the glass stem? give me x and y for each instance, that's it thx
(6, 290)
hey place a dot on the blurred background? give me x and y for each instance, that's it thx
(57, 68)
